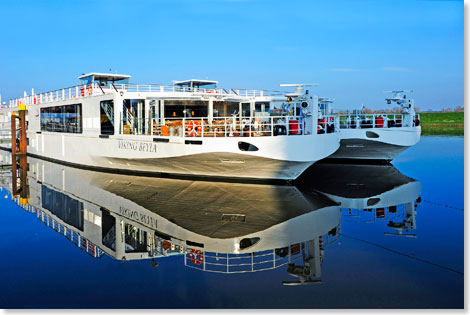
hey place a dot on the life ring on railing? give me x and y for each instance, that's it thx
(196, 256)
(90, 90)
(194, 129)
(82, 91)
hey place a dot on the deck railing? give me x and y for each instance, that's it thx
(225, 126)
(74, 92)
(180, 89)
(87, 90)
(228, 126)
(363, 121)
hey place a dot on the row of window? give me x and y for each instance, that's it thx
(66, 118)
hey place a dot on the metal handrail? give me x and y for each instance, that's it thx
(228, 126)
(362, 121)
(76, 92)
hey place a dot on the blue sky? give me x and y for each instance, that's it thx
(355, 50)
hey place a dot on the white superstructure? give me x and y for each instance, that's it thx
(190, 128)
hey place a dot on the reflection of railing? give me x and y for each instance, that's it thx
(73, 236)
(371, 215)
(228, 126)
(239, 263)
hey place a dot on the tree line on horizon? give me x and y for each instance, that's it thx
(397, 110)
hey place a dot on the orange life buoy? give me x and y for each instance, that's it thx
(196, 256)
(90, 90)
(194, 129)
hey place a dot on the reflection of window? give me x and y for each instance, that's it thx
(108, 229)
(64, 207)
(66, 118)
(136, 239)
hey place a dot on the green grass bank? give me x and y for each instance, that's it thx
(450, 124)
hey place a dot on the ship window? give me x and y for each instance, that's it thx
(185, 108)
(66, 118)
(225, 109)
(107, 117)
(262, 107)
(245, 109)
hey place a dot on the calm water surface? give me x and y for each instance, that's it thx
(344, 237)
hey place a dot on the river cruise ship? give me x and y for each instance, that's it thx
(191, 128)
(376, 136)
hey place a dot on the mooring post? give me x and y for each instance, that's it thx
(18, 131)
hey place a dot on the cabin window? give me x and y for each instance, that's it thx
(225, 109)
(107, 117)
(66, 118)
(245, 109)
(185, 108)
(133, 117)
(262, 107)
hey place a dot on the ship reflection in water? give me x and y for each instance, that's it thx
(217, 227)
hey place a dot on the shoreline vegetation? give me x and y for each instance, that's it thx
(446, 124)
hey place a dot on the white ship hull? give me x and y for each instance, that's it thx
(376, 143)
(278, 158)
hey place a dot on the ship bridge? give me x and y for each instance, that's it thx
(104, 79)
(196, 84)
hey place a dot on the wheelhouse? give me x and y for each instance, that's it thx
(104, 79)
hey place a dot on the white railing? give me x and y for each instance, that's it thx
(86, 90)
(74, 92)
(179, 89)
(228, 126)
(362, 121)
(327, 124)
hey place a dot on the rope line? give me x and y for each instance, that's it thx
(443, 205)
(403, 254)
